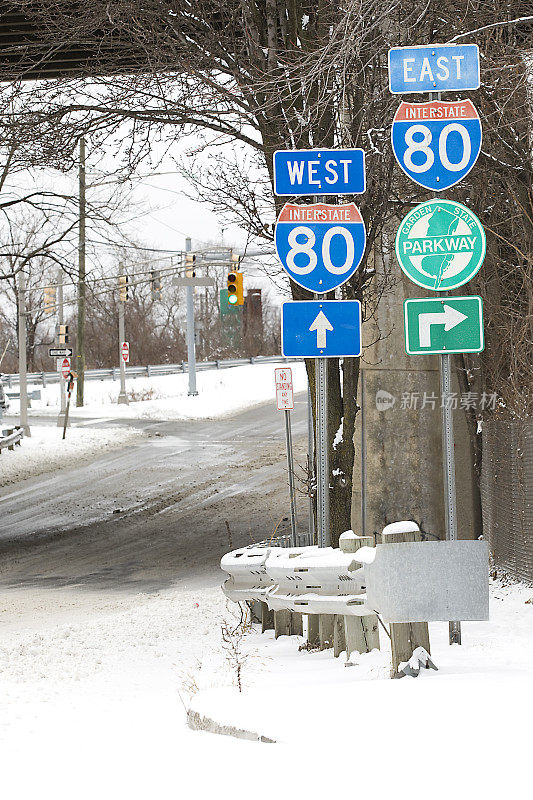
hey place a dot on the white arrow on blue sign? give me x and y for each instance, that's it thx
(433, 68)
(436, 144)
(309, 172)
(321, 328)
(320, 246)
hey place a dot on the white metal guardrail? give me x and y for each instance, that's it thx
(10, 437)
(316, 581)
(150, 370)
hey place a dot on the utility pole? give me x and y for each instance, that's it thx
(60, 321)
(23, 385)
(122, 396)
(191, 355)
(80, 339)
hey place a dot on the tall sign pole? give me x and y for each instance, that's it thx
(440, 244)
(122, 396)
(320, 246)
(285, 403)
(191, 354)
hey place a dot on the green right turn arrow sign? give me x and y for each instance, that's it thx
(444, 325)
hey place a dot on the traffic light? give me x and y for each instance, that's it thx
(62, 334)
(50, 299)
(155, 281)
(190, 261)
(235, 288)
(123, 288)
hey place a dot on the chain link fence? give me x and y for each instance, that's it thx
(507, 495)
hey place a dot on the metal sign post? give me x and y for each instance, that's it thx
(122, 396)
(191, 353)
(322, 456)
(290, 468)
(310, 462)
(285, 403)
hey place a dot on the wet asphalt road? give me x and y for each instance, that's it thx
(157, 512)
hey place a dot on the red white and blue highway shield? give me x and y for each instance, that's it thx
(436, 144)
(320, 246)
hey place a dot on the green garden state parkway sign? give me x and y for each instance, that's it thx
(440, 245)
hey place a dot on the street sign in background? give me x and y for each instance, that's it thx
(436, 144)
(433, 68)
(125, 352)
(65, 368)
(312, 172)
(284, 391)
(440, 245)
(443, 325)
(320, 245)
(60, 352)
(321, 328)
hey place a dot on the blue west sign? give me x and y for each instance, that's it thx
(433, 68)
(436, 144)
(310, 172)
(321, 328)
(320, 246)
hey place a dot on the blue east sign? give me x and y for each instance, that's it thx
(310, 172)
(433, 68)
(320, 246)
(436, 144)
(321, 328)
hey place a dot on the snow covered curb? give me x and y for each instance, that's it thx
(199, 722)
(45, 451)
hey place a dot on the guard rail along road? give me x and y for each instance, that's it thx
(345, 592)
(10, 437)
(150, 370)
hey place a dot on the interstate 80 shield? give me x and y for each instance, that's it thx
(436, 144)
(320, 246)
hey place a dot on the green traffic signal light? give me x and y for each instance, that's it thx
(232, 299)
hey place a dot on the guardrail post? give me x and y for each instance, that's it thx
(405, 636)
(43, 378)
(217, 362)
(312, 630)
(282, 623)
(361, 634)
(267, 618)
(183, 368)
(114, 373)
(149, 370)
(326, 626)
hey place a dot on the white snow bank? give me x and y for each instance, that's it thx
(91, 688)
(220, 392)
(46, 451)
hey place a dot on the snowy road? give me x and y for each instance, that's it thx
(145, 516)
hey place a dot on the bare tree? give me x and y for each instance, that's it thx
(275, 74)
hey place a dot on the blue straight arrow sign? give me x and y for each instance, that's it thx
(321, 328)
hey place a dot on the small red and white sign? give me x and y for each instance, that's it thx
(65, 368)
(284, 392)
(125, 352)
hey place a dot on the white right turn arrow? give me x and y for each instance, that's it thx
(449, 317)
(321, 324)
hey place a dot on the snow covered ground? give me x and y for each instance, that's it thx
(46, 451)
(220, 392)
(94, 689)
